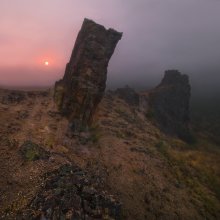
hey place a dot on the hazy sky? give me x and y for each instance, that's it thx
(158, 35)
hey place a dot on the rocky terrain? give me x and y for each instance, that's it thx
(123, 157)
(77, 152)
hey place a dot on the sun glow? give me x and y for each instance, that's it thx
(46, 63)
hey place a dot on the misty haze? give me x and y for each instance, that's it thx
(110, 109)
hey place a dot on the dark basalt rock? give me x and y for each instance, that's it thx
(128, 95)
(169, 104)
(69, 193)
(82, 87)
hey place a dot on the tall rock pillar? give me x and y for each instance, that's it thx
(82, 87)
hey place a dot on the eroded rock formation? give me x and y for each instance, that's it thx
(82, 87)
(169, 104)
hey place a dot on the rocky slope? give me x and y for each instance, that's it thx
(124, 158)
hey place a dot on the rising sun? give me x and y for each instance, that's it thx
(46, 63)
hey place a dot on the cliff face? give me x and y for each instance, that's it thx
(82, 87)
(169, 104)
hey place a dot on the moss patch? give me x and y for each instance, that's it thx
(31, 151)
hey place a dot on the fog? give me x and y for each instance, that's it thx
(157, 35)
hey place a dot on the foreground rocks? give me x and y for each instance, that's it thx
(69, 194)
(82, 87)
(169, 104)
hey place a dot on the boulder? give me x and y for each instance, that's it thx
(82, 87)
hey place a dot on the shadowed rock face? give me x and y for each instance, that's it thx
(128, 95)
(169, 104)
(82, 87)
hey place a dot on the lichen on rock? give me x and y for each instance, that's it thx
(69, 193)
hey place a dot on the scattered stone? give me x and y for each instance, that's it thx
(31, 151)
(82, 87)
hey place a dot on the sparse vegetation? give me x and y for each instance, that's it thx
(195, 176)
(149, 114)
(49, 142)
(125, 115)
(131, 150)
(31, 151)
(58, 96)
(162, 147)
(95, 133)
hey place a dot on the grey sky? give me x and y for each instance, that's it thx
(158, 35)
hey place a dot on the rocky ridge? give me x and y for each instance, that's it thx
(152, 175)
(167, 104)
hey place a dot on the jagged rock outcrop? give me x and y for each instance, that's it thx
(128, 95)
(169, 104)
(82, 87)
